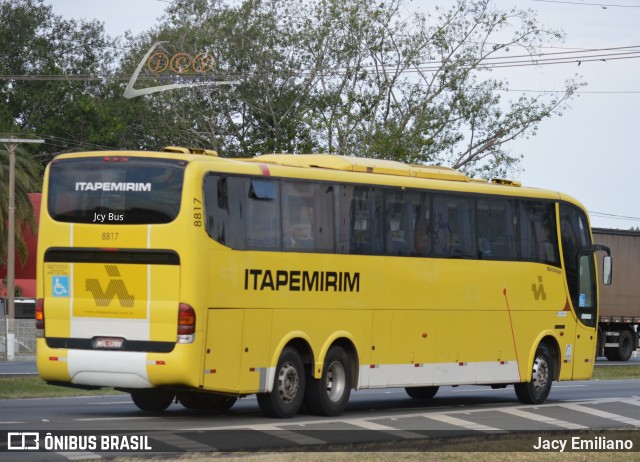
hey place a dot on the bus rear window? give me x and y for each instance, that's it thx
(120, 190)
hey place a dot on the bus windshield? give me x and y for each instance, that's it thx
(115, 190)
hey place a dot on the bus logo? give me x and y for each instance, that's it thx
(538, 290)
(60, 286)
(115, 288)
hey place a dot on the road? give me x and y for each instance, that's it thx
(372, 415)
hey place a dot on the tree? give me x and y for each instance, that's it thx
(254, 43)
(417, 89)
(71, 107)
(27, 179)
(354, 77)
(65, 112)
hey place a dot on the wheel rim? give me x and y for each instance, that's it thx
(288, 382)
(540, 377)
(336, 381)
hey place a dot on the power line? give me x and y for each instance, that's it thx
(66, 144)
(488, 63)
(604, 6)
(580, 92)
(613, 216)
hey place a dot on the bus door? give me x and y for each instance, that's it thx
(580, 273)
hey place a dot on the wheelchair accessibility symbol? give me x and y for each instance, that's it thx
(60, 286)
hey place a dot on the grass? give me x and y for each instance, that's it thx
(33, 387)
(616, 372)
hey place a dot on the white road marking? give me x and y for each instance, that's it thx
(543, 419)
(91, 419)
(462, 423)
(370, 425)
(603, 414)
(79, 455)
(275, 430)
(186, 444)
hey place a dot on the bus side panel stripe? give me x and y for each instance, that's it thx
(407, 375)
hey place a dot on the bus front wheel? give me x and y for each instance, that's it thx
(329, 395)
(537, 390)
(152, 399)
(287, 393)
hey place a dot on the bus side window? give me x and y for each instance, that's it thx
(367, 235)
(324, 216)
(423, 240)
(343, 199)
(223, 210)
(496, 229)
(454, 227)
(307, 217)
(262, 215)
(215, 220)
(538, 237)
(441, 231)
(400, 212)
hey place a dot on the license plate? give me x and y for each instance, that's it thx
(109, 343)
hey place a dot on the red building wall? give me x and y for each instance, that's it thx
(26, 275)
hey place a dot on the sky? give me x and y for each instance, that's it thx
(590, 152)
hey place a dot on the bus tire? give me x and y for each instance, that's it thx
(329, 395)
(422, 392)
(152, 399)
(287, 393)
(537, 390)
(207, 401)
(625, 345)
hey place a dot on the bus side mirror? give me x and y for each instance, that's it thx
(607, 270)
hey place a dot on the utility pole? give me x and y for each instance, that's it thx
(11, 244)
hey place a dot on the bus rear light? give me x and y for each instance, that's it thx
(186, 323)
(40, 317)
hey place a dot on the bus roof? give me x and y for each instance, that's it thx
(386, 169)
(361, 164)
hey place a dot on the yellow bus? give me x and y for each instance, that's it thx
(181, 275)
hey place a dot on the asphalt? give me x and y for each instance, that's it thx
(17, 368)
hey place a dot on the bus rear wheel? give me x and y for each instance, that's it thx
(330, 394)
(208, 401)
(421, 392)
(152, 399)
(537, 390)
(287, 393)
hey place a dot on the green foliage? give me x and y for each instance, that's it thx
(67, 113)
(351, 77)
(77, 109)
